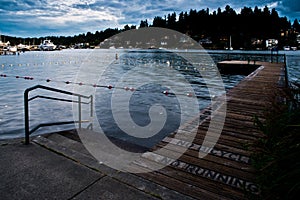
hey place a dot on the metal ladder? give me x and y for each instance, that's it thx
(28, 132)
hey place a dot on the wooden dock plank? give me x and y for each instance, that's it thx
(226, 172)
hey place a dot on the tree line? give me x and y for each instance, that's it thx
(247, 29)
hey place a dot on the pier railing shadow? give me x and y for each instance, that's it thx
(80, 102)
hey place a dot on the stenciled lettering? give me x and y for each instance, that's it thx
(211, 174)
(209, 150)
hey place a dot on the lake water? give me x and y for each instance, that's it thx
(68, 65)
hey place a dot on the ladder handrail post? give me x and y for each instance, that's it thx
(92, 104)
(286, 72)
(26, 117)
(79, 111)
(92, 111)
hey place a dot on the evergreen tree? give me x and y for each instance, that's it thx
(296, 25)
(159, 22)
(126, 27)
(244, 27)
(144, 24)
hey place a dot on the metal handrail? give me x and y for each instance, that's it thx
(286, 72)
(273, 57)
(28, 132)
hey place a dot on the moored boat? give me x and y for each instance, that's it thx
(47, 45)
(294, 48)
(22, 47)
(13, 49)
(287, 48)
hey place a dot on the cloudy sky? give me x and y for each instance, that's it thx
(34, 18)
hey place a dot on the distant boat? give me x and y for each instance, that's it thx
(8, 50)
(47, 45)
(4, 44)
(287, 48)
(294, 48)
(13, 49)
(22, 47)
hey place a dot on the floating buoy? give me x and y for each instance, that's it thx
(166, 92)
(168, 63)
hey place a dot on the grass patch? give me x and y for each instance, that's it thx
(278, 162)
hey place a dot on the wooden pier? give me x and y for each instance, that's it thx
(226, 172)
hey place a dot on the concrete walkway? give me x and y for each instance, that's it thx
(36, 172)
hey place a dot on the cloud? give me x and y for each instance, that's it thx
(289, 8)
(291, 5)
(69, 17)
(54, 17)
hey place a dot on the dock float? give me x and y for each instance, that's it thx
(226, 172)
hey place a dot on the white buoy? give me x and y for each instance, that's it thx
(168, 63)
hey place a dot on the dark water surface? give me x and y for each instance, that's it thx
(63, 66)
